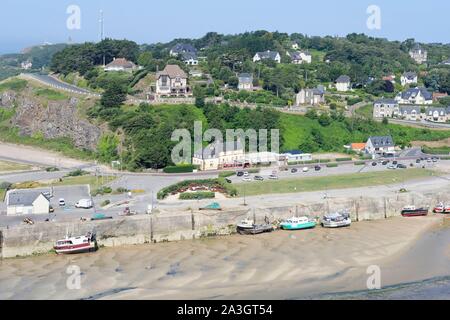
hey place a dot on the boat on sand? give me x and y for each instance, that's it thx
(298, 223)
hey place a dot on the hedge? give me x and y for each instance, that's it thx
(197, 195)
(226, 174)
(343, 159)
(180, 169)
(360, 163)
(332, 165)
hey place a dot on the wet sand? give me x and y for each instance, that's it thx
(281, 265)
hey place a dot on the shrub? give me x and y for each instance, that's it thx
(105, 203)
(360, 163)
(332, 165)
(122, 190)
(51, 169)
(226, 174)
(102, 191)
(77, 173)
(5, 185)
(180, 169)
(197, 195)
(343, 159)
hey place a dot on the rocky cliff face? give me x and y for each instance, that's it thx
(51, 119)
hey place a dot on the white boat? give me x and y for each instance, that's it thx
(72, 245)
(298, 223)
(336, 220)
(248, 226)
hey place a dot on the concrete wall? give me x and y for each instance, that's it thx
(163, 227)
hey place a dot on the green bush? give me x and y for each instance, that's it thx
(209, 183)
(197, 195)
(105, 203)
(332, 165)
(51, 169)
(180, 169)
(343, 159)
(360, 163)
(122, 190)
(77, 173)
(226, 174)
(102, 191)
(437, 151)
(5, 185)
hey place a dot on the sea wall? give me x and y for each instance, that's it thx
(183, 225)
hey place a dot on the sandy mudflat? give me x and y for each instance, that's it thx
(281, 265)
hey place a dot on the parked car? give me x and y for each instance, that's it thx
(392, 167)
(418, 161)
(246, 174)
(305, 169)
(51, 209)
(374, 164)
(62, 202)
(385, 162)
(317, 168)
(401, 166)
(429, 160)
(228, 180)
(47, 194)
(240, 174)
(394, 162)
(247, 179)
(294, 170)
(435, 159)
(259, 178)
(273, 177)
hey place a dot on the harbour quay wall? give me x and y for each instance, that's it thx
(27, 240)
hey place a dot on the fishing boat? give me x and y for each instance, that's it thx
(442, 208)
(100, 216)
(73, 245)
(336, 220)
(247, 226)
(298, 223)
(412, 211)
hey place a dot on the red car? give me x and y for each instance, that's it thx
(442, 208)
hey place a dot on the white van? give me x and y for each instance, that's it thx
(84, 204)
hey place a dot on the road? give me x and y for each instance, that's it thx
(423, 123)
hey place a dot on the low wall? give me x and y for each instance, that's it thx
(164, 227)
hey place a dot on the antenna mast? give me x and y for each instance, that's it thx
(102, 26)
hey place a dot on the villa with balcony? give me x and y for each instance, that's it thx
(172, 82)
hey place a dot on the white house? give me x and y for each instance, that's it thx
(418, 54)
(245, 82)
(297, 156)
(26, 202)
(411, 113)
(190, 58)
(418, 95)
(220, 155)
(409, 78)
(343, 83)
(300, 57)
(121, 64)
(26, 65)
(311, 96)
(380, 145)
(172, 81)
(385, 108)
(438, 114)
(267, 55)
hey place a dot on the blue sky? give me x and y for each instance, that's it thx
(27, 22)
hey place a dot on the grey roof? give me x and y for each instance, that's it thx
(246, 78)
(417, 47)
(414, 92)
(386, 101)
(268, 54)
(382, 141)
(183, 47)
(22, 197)
(189, 55)
(410, 75)
(410, 109)
(213, 150)
(296, 55)
(442, 111)
(343, 79)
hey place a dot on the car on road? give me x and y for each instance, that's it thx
(240, 174)
(273, 177)
(401, 166)
(374, 164)
(259, 178)
(395, 163)
(429, 160)
(294, 170)
(228, 180)
(305, 169)
(51, 209)
(246, 174)
(435, 159)
(84, 204)
(392, 167)
(317, 168)
(247, 179)
(418, 161)
(62, 202)
(385, 162)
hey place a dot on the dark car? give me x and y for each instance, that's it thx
(294, 170)
(395, 162)
(385, 162)
(240, 174)
(401, 166)
(317, 168)
(228, 180)
(374, 164)
(259, 178)
(418, 161)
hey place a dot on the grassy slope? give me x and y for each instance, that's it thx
(12, 166)
(331, 182)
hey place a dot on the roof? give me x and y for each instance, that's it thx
(414, 92)
(172, 71)
(382, 141)
(343, 79)
(121, 63)
(268, 54)
(410, 75)
(294, 152)
(386, 101)
(189, 56)
(297, 55)
(358, 146)
(214, 149)
(410, 109)
(183, 47)
(417, 48)
(246, 78)
(442, 111)
(22, 197)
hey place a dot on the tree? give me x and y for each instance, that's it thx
(385, 121)
(113, 96)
